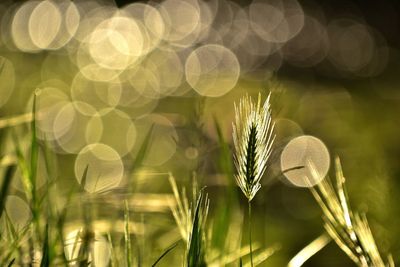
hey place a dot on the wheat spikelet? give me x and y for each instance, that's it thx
(253, 139)
(348, 229)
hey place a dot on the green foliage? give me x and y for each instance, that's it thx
(208, 242)
(196, 254)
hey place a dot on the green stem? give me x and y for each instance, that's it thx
(251, 249)
(128, 248)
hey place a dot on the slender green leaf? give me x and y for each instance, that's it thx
(84, 177)
(11, 263)
(45, 262)
(143, 148)
(196, 246)
(128, 246)
(34, 150)
(164, 254)
(5, 186)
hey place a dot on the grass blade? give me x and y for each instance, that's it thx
(196, 247)
(34, 151)
(310, 250)
(143, 148)
(84, 177)
(128, 246)
(45, 262)
(11, 263)
(5, 186)
(164, 254)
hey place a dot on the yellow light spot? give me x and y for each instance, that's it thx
(212, 70)
(44, 24)
(105, 167)
(300, 155)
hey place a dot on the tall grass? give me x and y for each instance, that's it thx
(253, 139)
(209, 235)
(191, 216)
(191, 220)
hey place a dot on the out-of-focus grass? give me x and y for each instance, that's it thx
(56, 222)
(279, 212)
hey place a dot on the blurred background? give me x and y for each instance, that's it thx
(114, 77)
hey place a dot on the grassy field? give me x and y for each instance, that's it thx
(169, 135)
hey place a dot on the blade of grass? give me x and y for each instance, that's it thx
(45, 262)
(84, 177)
(5, 186)
(11, 263)
(114, 258)
(128, 248)
(143, 148)
(88, 235)
(310, 250)
(164, 254)
(34, 151)
(49, 160)
(263, 255)
(87, 239)
(196, 245)
(26, 182)
(60, 225)
(15, 238)
(33, 170)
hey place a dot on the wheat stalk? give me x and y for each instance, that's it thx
(348, 229)
(253, 137)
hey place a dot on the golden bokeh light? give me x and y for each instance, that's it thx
(103, 102)
(212, 70)
(44, 24)
(305, 161)
(116, 43)
(50, 101)
(163, 139)
(20, 27)
(71, 127)
(276, 21)
(164, 82)
(181, 19)
(104, 168)
(153, 28)
(119, 131)
(98, 94)
(310, 46)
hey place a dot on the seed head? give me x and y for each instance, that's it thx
(253, 137)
